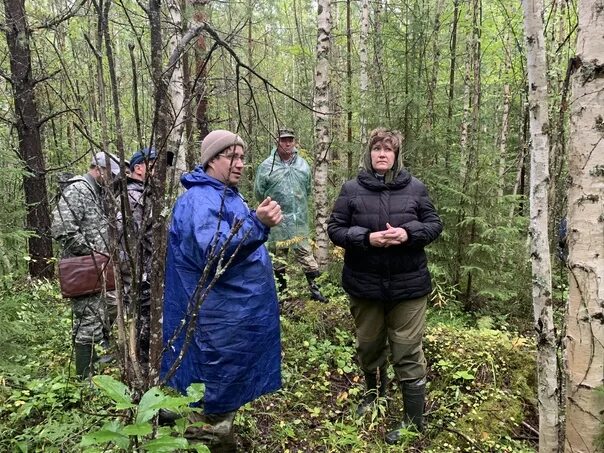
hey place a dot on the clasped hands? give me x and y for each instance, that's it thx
(389, 236)
(269, 212)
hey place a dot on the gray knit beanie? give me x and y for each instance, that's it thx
(217, 141)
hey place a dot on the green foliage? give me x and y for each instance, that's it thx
(480, 388)
(482, 382)
(142, 431)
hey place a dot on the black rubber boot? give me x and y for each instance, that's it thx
(372, 392)
(281, 280)
(414, 397)
(315, 292)
(84, 360)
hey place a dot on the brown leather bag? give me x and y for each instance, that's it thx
(85, 275)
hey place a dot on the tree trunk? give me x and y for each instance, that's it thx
(547, 370)
(200, 89)
(363, 77)
(322, 132)
(584, 323)
(505, 121)
(158, 186)
(177, 145)
(452, 70)
(431, 115)
(349, 108)
(30, 142)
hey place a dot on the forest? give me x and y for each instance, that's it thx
(501, 108)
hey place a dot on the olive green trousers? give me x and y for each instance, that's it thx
(398, 332)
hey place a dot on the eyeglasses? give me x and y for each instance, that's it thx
(234, 157)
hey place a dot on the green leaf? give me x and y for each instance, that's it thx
(196, 391)
(174, 403)
(463, 375)
(166, 444)
(148, 405)
(104, 436)
(201, 448)
(138, 429)
(115, 390)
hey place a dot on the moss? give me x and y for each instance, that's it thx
(482, 387)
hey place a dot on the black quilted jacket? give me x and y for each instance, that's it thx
(364, 206)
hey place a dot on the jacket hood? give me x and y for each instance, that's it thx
(367, 179)
(199, 177)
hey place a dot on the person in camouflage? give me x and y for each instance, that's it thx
(140, 246)
(285, 177)
(79, 224)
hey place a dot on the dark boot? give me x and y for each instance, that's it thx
(281, 280)
(315, 293)
(84, 359)
(414, 396)
(107, 357)
(372, 392)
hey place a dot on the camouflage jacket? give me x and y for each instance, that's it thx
(140, 246)
(78, 220)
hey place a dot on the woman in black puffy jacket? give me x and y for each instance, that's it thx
(383, 219)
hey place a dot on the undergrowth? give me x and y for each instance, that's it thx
(480, 390)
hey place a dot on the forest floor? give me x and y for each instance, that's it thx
(480, 390)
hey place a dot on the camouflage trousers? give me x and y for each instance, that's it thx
(303, 255)
(89, 319)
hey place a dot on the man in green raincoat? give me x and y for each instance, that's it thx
(286, 177)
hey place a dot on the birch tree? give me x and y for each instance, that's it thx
(584, 322)
(322, 132)
(177, 139)
(547, 374)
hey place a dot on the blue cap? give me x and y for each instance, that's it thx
(142, 156)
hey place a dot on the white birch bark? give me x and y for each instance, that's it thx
(547, 375)
(322, 131)
(176, 94)
(585, 321)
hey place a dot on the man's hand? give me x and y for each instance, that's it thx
(269, 212)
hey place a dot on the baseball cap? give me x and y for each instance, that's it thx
(141, 156)
(98, 160)
(286, 133)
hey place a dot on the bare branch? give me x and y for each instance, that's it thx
(8, 122)
(54, 115)
(71, 12)
(69, 164)
(46, 77)
(87, 136)
(6, 77)
(94, 50)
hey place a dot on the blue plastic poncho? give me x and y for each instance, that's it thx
(236, 348)
(290, 185)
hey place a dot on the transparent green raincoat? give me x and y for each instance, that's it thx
(290, 185)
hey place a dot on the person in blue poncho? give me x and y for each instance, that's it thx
(216, 246)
